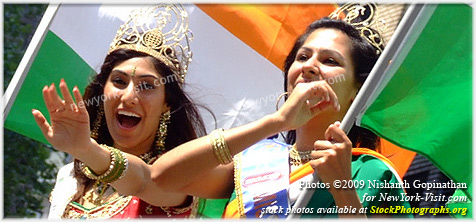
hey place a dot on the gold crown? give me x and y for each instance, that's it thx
(363, 17)
(160, 31)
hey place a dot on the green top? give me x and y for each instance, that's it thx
(366, 169)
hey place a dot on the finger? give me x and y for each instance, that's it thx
(66, 95)
(318, 107)
(322, 153)
(323, 145)
(334, 133)
(79, 100)
(333, 97)
(323, 89)
(55, 100)
(318, 162)
(317, 90)
(337, 123)
(41, 122)
(50, 105)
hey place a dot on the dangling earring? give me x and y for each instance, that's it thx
(277, 106)
(97, 123)
(162, 131)
(279, 99)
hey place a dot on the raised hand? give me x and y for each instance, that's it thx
(69, 128)
(332, 157)
(305, 102)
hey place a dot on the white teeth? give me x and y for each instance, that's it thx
(126, 113)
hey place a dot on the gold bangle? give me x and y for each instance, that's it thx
(220, 148)
(216, 148)
(224, 148)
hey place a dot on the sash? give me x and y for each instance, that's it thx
(262, 180)
(234, 210)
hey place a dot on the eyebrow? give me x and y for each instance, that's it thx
(139, 76)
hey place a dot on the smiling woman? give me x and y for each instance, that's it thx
(133, 115)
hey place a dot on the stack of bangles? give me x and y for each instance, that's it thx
(220, 148)
(117, 168)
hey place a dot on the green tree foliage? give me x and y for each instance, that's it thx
(28, 177)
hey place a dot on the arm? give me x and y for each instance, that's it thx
(181, 169)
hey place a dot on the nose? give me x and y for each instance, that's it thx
(310, 70)
(129, 96)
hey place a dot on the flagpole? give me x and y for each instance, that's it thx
(413, 17)
(27, 60)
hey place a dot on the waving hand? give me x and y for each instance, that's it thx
(69, 128)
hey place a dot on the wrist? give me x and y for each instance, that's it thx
(94, 156)
(276, 122)
(347, 197)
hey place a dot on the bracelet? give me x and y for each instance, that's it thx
(117, 168)
(91, 175)
(121, 166)
(220, 148)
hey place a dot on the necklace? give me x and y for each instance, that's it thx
(299, 157)
(149, 156)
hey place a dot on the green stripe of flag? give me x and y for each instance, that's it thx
(426, 107)
(55, 58)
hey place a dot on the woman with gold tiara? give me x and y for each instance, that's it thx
(142, 114)
(341, 52)
(134, 113)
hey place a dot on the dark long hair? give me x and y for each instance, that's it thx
(364, 57)
(185, 121)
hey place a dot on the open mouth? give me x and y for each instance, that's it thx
(127, 119)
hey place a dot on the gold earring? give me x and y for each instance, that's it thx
(162, 131)
(97, 123)
(279, 99)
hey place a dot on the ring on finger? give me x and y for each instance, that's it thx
(62, 109)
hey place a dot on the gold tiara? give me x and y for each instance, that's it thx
(362, 17)
(160, 31)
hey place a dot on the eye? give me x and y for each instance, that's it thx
(302, 57)
(118, 81)
(144, 85)
(331, 61)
